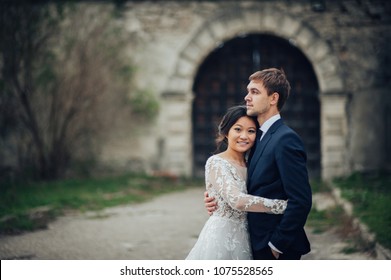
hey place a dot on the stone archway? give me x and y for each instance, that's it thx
(221, 82)
(177, 151)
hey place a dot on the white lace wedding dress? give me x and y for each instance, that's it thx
(225, 235)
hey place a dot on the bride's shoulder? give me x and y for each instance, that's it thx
(218, 161)
(214, 158)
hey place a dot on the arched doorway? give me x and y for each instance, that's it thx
(221, 82)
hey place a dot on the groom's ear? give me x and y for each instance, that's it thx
(274, 98)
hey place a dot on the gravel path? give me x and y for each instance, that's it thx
(164, 228)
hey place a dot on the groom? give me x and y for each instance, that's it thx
(277, 170)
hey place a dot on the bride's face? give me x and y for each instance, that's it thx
(241, 135)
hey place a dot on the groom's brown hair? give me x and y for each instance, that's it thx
(274, 80)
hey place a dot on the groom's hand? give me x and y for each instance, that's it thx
(275, 254)
(210, 203)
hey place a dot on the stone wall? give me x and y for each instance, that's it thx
(348, 43)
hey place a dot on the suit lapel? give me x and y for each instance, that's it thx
(261, 146)
(258, 152)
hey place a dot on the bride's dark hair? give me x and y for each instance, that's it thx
(229, 119)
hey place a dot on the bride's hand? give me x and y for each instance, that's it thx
(210, 203)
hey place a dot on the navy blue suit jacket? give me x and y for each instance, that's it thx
(278, 170)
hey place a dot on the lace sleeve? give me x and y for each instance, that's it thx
(224, 178)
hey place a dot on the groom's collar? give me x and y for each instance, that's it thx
(267, 124)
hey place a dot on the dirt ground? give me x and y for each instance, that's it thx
(164, 228)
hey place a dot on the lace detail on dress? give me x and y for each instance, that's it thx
(224, 182)
(225, 234)
(276, 206)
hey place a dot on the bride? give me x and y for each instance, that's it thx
(225, 234)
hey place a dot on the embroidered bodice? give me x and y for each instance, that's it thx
(226, 181)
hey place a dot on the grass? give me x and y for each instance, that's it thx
(29, 206)
(321, 221)
(336, 220)
(370, 195)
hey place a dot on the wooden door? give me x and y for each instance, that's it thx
(221, 82)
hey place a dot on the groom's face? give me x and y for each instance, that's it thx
(257, 100)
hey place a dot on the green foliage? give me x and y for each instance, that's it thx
(144, 104)
(126, 72)
(370, 194)
(319, 186)
(322, 221)
(334, 218)
(45, 74)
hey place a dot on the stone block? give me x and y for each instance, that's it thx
(191, 52)
(205, 40)
(252, 20)
(290, 27)
(304, 38)
(318, 51)
(177, 84)
(185, 68)
(236, 26)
